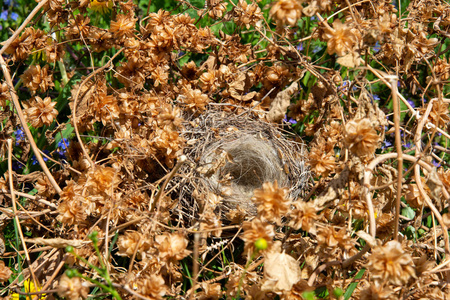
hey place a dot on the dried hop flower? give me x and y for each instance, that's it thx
(247, 14)
(342, 38)
(123, 26)
(255, 230)
(172, 246)
(153, 287)
(391, 263)
(361, 138)
(286, 12)
(133, 242)
(37, 78)
(72, 288)
(5, 272)
(40, 112)
(303, 216)
(272, 201)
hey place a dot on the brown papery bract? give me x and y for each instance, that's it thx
(286, 12)
(361, 138)
(390, 263)
(40, 112)
(254, 230)
(72, 288)
(272, 201)
(37, 78)
(5, 272)
(342, 38)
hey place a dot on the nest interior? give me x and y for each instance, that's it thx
(229, 156)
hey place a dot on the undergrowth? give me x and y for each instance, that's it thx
(96, 99)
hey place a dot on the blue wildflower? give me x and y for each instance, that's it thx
(395, 3)
(377, 47)
(63, 144)
(14, 16)
(300, 47)
(4, 15)
(34, 160)
(20, 135)
(343, 86)
(411, 102)
(16, 165)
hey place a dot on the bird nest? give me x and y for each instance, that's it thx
(229, 156)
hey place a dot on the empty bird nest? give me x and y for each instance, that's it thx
(228, 157)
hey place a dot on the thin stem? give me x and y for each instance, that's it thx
(23, 122)
(16, 218)
(398, 146)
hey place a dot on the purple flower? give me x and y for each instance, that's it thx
(300, 47)
(436, 164)
(14, 16)
(386, 144)
(376, 97)
(395, 3)
(411, 102)
(290, 121)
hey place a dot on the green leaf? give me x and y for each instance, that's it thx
(352, 286)
(410, 233)
(408, 212)
(308, 295)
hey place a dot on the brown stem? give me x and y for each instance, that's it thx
(417, 141)
(398, 146)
